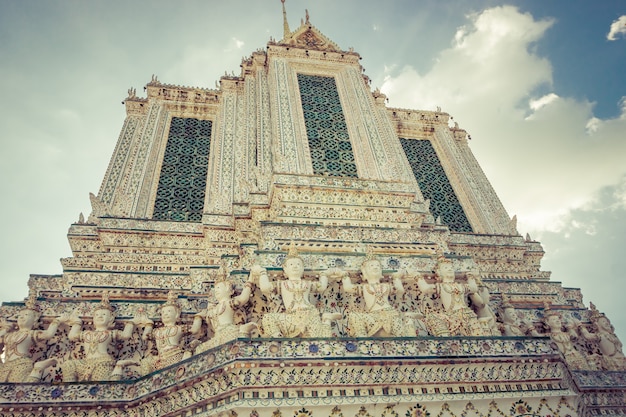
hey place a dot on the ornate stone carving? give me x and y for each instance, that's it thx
(509, 325)
(19, 344)
(260, 193)
(378, 317)
(300, 318)
(221, 315)
(97, 364)
(169, 338)
(455, 315)
(564, 340)
(612, 358)
(480, 304)
(98, 209)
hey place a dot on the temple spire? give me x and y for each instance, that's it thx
(285, 23)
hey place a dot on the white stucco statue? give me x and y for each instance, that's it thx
(379, 317)
(460, 319)
(97, 363)
(510, 325)
(18, 343)
(300, 318)
(221, 315)
(563, 340)
(480, 304)
(612, 358)
(169, 338)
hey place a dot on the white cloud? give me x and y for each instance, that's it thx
(488, 59)
(618, 27)
(544, 156)
(619, 196)
(233, 44)
(542, 101)
(593, 125)
(238, 43)
(622, 105)
(587, 228)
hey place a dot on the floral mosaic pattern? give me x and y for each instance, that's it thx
(180, 194)
(331, 150)
(435, 185)
(275, 352)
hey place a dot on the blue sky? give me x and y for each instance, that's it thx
(538, 85)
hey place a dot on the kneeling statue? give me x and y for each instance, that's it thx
(97, 364)
(221, 316)
(18, 363)
(379, 318)
(169, 338)
(301, 318)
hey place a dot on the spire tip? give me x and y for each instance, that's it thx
(286, 31)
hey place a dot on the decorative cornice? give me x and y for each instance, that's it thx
(388, 362)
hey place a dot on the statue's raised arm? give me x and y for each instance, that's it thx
(19, 365)
(379, 317)
(169, 338)
(301, 318)
(220, 316)
(98, 364)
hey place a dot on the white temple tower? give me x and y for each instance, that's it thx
(297, 158)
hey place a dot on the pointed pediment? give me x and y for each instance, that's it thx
(309, 37)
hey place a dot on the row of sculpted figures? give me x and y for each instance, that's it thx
(285, 308)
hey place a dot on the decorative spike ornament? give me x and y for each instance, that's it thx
(221, 275)
(172, 300)
(104, 303)
(292, 251)
(286, 31)
(31, 303)
(369, 254)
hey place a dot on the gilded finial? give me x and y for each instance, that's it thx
(506, 302)
(31, 303)
(172, 300)
(369, 254)
(104, 303)
(286, 31)
(292, 252)
(221, 275)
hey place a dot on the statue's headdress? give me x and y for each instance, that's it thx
(506, 303)
(479, 282)
(221, 275)
(595, 315)
(31, 303)
(292, 252)
(369, 255)
(440, 257)
(547, 311)
(104, 303)
(172, 300)
(440, 260)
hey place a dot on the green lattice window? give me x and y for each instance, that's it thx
(182, 184)
(331, 150)
(434, 184)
